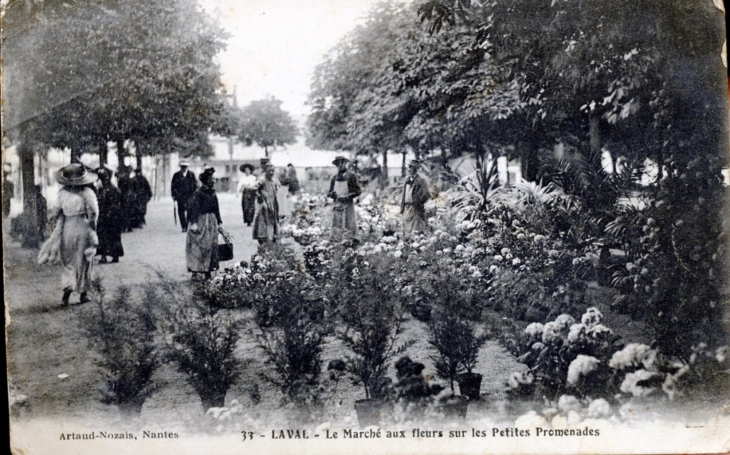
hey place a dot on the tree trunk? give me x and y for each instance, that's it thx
(29, 225)
(139, 160)
(103, 155)
(120, 152)
(76, 155)
(529, 160)
(384, 173)
(403, 165)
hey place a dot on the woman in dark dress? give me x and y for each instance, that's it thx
(204, 224)
(247, 190)
(111, 218)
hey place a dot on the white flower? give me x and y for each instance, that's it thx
(531, 420)
(581, 366)
(599, 330)
(505, 251)
(551, 332)
(534, 330)
(398, 254)
(630, 356)
(569, 403)
(721, 353)
(599, 408)
(576, 330)
(591, 317)
(493, 268)
(539, 239)
(516, 261)
(498, 258)
(537, 346)
(630, 383)
(520, 236)
(564, 320)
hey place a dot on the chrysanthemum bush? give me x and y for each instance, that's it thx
(586, 360)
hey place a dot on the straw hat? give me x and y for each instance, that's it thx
(75, 174)
(339, 159)
(184, 163)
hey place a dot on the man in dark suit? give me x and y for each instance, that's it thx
(183, 185)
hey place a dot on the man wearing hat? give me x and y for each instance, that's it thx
(413, 201)
(247, 189)
(183, 186)
(344, 189)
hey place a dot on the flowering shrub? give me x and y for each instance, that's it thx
(564, 355)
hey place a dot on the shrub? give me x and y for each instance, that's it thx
(455, 339)
(294, 349)
(565, 356)
(372, 320)
(121, 333)
(199, 339)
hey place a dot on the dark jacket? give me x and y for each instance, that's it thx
(203, 201)
(419, 195)
(183, 186)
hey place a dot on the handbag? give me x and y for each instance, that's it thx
(225, 249)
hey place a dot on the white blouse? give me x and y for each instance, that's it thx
(247, 182)
(77, 203)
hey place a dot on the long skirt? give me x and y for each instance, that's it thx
(344, 221)
(414, 220)
(201, 247)
(78, 244)
(110, 239)
(248, 204)
(265, 224)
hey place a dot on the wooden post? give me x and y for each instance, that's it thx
(30, 223)
(120, 152)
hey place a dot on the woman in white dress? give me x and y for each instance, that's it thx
(76, 213)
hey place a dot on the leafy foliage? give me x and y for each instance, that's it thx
(121, 332)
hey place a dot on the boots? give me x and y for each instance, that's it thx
(84, 298)
(66, 296)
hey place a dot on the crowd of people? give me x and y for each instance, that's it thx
(92, 213)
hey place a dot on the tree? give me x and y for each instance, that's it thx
(265, 123)
(80, 73)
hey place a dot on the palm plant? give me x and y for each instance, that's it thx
(474, 193)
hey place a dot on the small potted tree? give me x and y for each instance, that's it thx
(454, 337)
(372, 322)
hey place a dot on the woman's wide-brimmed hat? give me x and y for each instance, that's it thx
(245, 166)
(339, 159)
(75, 174)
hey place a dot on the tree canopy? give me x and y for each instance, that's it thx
(267, 124)
(81, 73)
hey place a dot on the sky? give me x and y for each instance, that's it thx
(276, 44)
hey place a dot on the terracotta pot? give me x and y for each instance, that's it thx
(470, 384)
(455, 407)
(368, 412)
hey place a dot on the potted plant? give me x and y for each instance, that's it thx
(454, 338)
(294, 350)
(372, 322)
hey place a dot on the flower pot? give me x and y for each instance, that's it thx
(470, 384)
(368, 412)
(421, 312)
(455, 407)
